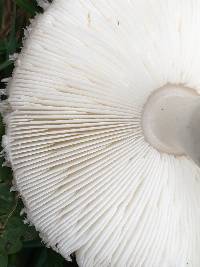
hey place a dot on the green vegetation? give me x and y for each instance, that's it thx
(20, 245)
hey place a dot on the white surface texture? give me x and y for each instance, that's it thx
(90, 182)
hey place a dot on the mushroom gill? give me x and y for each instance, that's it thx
(92, 179)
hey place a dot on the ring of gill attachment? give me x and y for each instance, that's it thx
(170, 120)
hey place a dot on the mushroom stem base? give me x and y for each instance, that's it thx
(171, 121)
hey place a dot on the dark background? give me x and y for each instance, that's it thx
(20, 245)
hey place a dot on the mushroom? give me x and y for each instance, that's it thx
(102, 131)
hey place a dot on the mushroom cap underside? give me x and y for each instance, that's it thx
(90, 182)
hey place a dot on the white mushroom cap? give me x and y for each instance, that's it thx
(92, 179)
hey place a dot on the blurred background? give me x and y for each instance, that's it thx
(20, 245)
